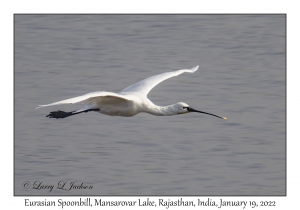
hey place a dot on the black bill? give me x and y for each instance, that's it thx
(194, 110)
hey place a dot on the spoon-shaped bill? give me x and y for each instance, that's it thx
(194, 110)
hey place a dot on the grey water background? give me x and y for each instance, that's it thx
(241, 76)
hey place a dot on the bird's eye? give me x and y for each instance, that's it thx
(184, 107)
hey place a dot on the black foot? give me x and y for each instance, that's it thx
(59, 114)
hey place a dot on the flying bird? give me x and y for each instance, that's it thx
(129, 102)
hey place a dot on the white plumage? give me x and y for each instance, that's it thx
(128, 102)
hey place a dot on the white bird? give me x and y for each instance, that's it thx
(129, 102)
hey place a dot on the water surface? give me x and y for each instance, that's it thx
(241, 76)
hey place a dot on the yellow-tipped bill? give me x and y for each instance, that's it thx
(194, 110)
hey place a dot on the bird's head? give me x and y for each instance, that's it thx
(183, 108)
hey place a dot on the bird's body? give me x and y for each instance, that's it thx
(128, 102)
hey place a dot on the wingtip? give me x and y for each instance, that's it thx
(195, 68)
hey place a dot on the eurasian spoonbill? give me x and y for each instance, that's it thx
(129, 102)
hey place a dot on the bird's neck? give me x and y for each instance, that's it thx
(161, 110)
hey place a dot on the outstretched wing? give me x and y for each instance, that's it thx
(91, 98)
(144, 86)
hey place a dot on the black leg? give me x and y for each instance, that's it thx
(61, 114)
